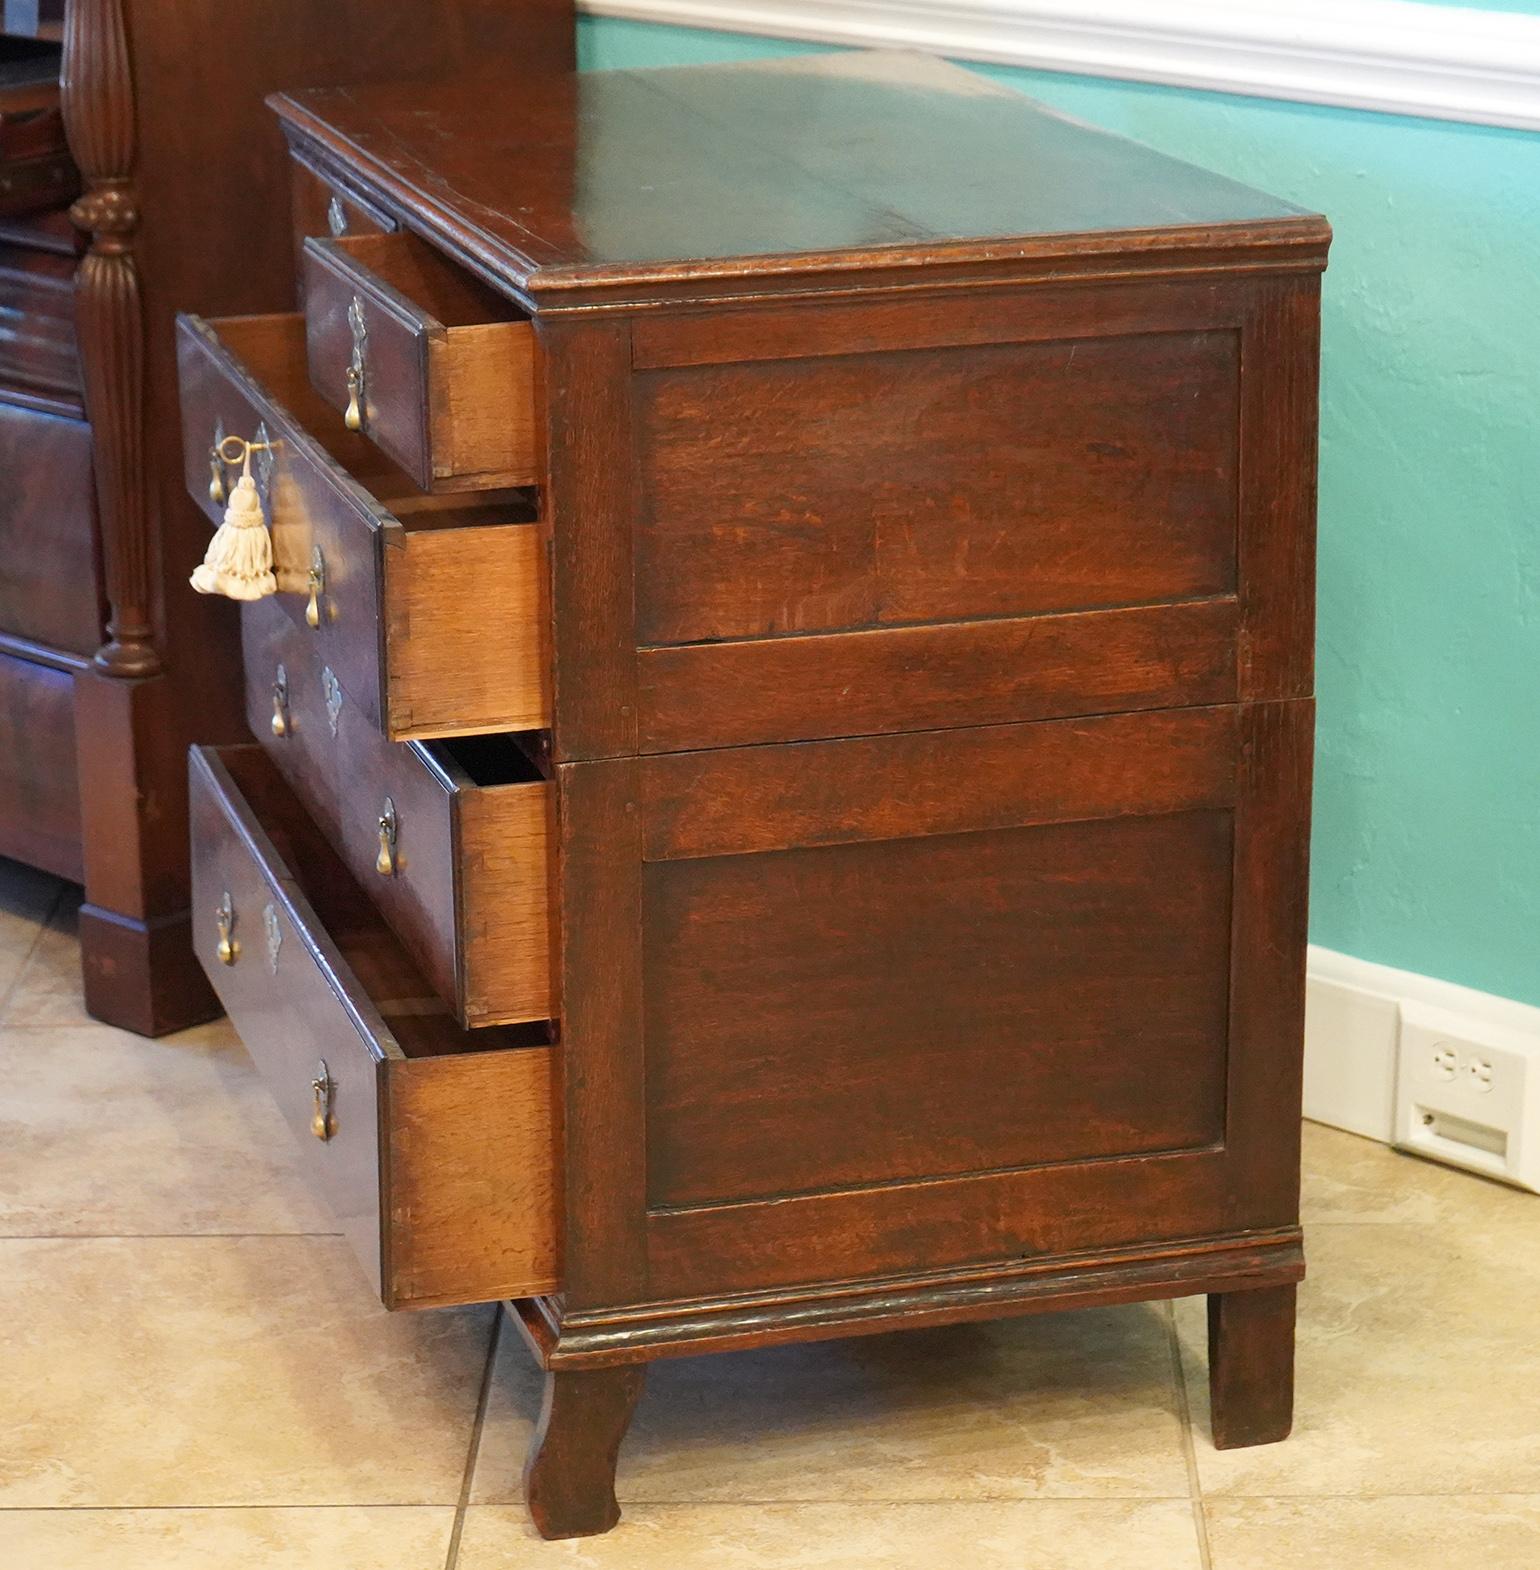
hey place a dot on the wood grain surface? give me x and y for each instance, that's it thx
(51, 583)
(39, 778)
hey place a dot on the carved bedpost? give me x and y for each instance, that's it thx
(99, 118)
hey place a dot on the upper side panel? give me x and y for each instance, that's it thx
(791, 522)
(855, 491)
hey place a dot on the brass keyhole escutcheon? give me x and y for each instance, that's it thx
(331, 690)
(224, 922)
(323, 1122)
(386, 862)
(228, 451)
(317, 585)
(281, 723)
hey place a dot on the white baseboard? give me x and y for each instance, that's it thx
(1355, 1016)
(1398, 56)
(1352, 1032)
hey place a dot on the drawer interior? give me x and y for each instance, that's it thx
(427, 283)
(418, 1019)
(272, 350)
(489, 761)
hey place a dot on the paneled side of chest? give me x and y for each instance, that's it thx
(933, 712)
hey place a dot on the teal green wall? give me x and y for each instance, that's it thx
(1427, 844)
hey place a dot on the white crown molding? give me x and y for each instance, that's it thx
(1397, 56)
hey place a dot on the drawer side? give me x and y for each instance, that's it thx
(473, 1203)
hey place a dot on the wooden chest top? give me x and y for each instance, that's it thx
(688, 181)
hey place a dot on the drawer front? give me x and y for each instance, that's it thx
(431, 365)
(436, 1153)
(460, 870)
(292, 703)
(37, 322)
(39, 775)
(50, 589)
(432, 620)
(275, 988)
(324, 208)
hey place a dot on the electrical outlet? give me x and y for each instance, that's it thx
(1469, 1103)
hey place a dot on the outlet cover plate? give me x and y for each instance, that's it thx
(1469, 1098)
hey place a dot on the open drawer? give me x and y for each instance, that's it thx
(430, 609)
(437, 1148)
(450, 839)
(428, 362)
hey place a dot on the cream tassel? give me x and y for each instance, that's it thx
(239, 563)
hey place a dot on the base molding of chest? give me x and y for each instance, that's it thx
(575, 1339)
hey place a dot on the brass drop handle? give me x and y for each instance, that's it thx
(317, 585)
(323, 1123)
(224, 921)
(386, 862)
(281, 724)
(217, 493)
(354, 417)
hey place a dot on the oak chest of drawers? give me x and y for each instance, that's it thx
(783, 787)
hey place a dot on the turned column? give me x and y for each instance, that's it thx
(99, 115)
(137, 965)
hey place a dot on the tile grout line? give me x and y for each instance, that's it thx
(1189, 1450)
(473, 1454)
(146, 1237)
(8, 996)
(991, 1501)
(365, 1504)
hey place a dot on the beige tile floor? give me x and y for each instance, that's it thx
(194, 1374)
